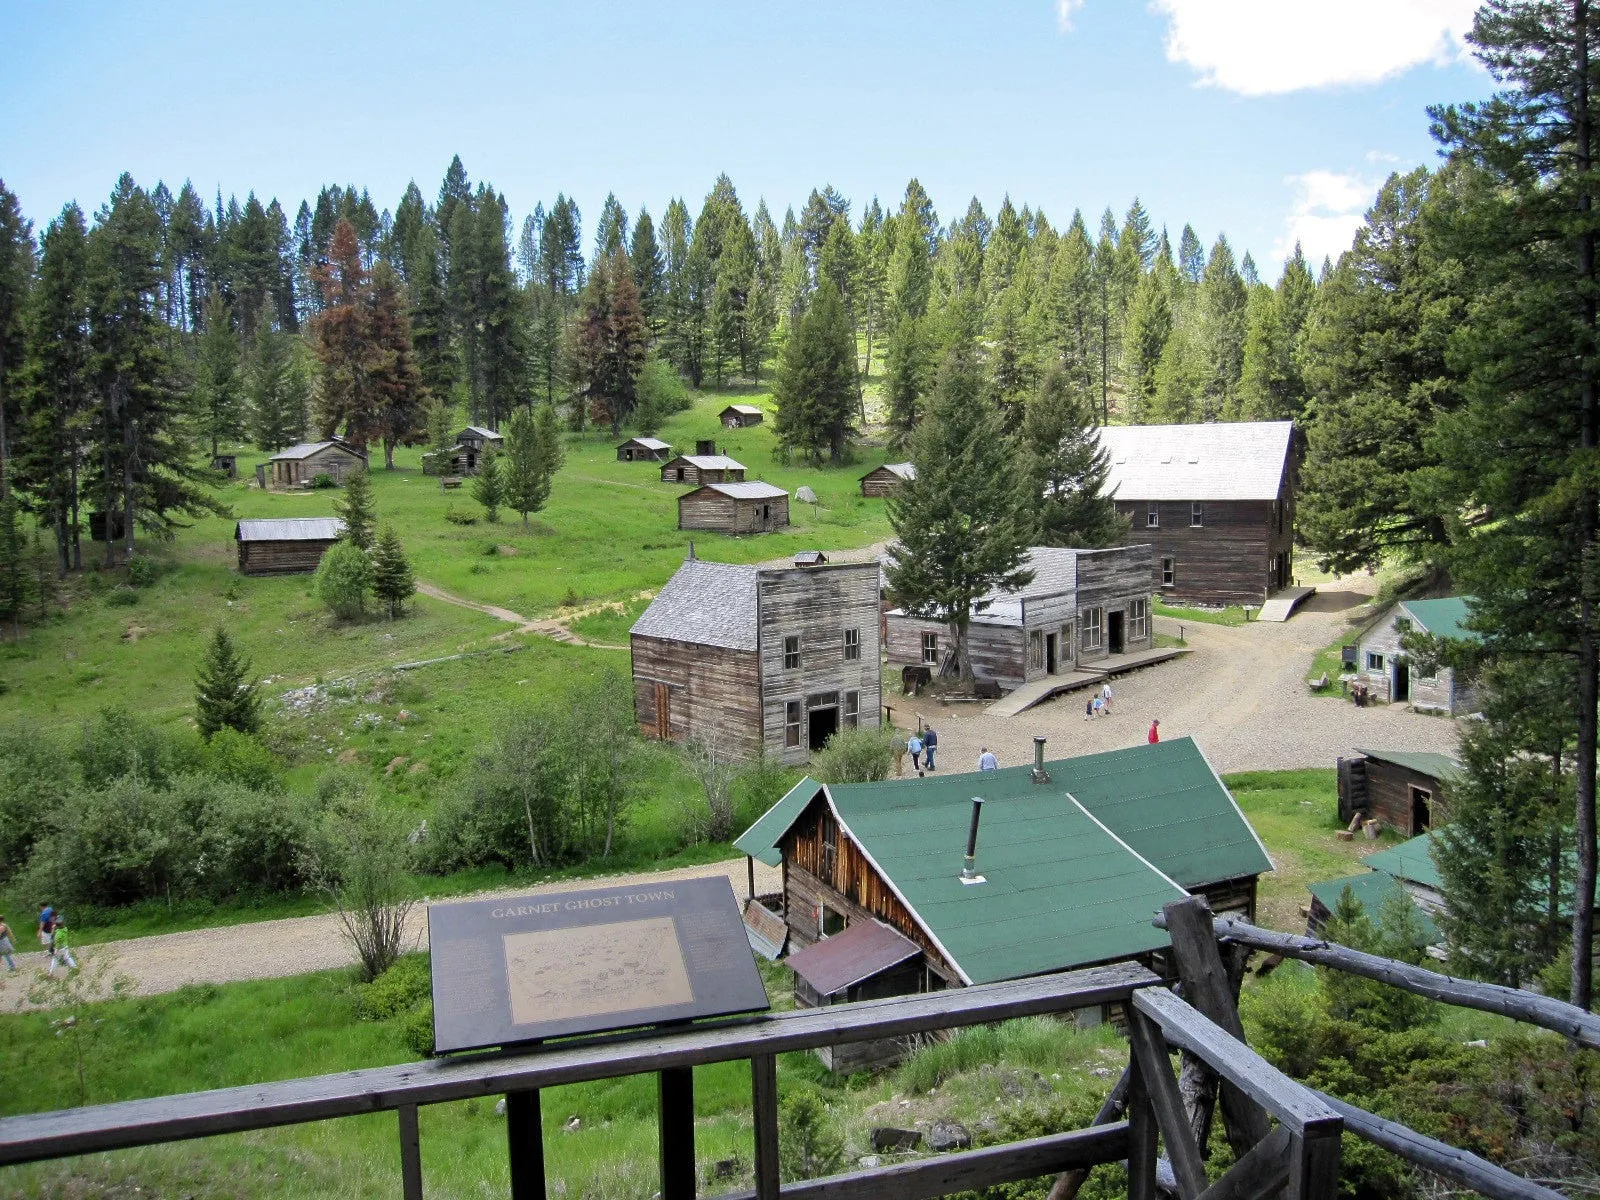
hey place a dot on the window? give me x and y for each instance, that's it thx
(1166, 572)
(830, 854)
(832, 922)
(1091, 629)
(852, 709)
(930, 647)
(1138, 619)
(791, 653)
(852, 644)
(1152, 517)
(791, 723)
(1402, 625)
(1374, 661)
(1196, 515)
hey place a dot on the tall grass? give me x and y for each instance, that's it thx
(1043, 1044)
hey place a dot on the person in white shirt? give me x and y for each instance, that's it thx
(987, 761)
(1105, 694)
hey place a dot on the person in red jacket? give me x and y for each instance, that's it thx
(1155, 731)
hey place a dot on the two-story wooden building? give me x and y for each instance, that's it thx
(1081, 606)
(1216, 501)
(753, 658)
(698, 469)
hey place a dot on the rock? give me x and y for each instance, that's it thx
(395, 763)
(500, 1107)
(1103, 1072)
(726, 1168)
(404, 715)
(574, 1123)
(1479, 1044)
(889, 1138)
(948, 1135)
(867, 1161)
(348, 757)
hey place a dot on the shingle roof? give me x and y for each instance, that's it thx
(864, 949)
(307, 449)
(749, 410)
(712, 462)
(707, 603)
(1444, 616)
(748, 491)
(649, 443)
(1241, 460)
(481, 432)
(289, 529)
(1411, 860)
(1424, 762)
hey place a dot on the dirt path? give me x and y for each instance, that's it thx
(550, 627)
(295, 945)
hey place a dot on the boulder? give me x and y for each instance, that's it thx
(888, 1139)
(948, 1135)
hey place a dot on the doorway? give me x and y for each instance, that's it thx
(1050, 647)
(1402, 680)
(822, 724)
(1115, 623)
(1421, 810)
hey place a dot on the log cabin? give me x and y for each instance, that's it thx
(1082, 606)
(644, 449)
(1217, 501)
(1403, 790)
(1071, 859)
(299, 465)
(477, 439)
(1385, 666)
(886, 480)
(754, 659)
(696, 469)
(734, 508)
(740, 416)
(285, 545)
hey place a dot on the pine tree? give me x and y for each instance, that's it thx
(487, 487)
(649, 272)
(611, 231)
(225, 691)
(1067, 469)
(16, 277)
(1222, 300)
(341, 336)
(217, 375)
(1191, 256)
(1065, 323)
(357, 509)
(611, 338)
(815, 392)
(910, 274)
(907, 369)
(525, 483)
(552, 451)
(400, 402)
(392, 581)
(1145, 340)
(962, 523)
(278, 390)
(16, 577)
(443, 425)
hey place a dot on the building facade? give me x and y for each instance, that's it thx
(299, 465)
(734, 508)
(886, 480)
(697, 469)
(284, 546)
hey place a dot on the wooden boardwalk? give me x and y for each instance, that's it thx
(1037, 691)
(1281, 604)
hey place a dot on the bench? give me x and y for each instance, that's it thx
(1321, 683)
(449, 481)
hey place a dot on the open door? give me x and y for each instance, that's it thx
(1421, 810)
(1051, 646)
(1402, 680)
(822, 723)
(1115, 624)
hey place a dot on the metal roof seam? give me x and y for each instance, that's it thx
(1127, 847)
(1229, 794)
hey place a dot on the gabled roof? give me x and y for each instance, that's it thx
(1424, 762)
(1411, 860)
(761, 839)
(864, 949)
(1055, 570)
(809, 558)
(1443, 616)
(1241, 460)
(710, 462)
(747, 410)
(289, 529)
(744, 491)
(480, 431)
(1371, 889)
(649, 443)
(904, 470)
(707, 603)
(307, 449)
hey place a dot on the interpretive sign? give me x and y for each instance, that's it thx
(524, 968)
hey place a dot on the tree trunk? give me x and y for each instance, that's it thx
(388, 454)
(130, 451)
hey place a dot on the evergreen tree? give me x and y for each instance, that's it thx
(496, 311)
(217, 374)
(730, 306)
(1222, 301)
(1065, 326)
(815, 390)
(611, 339)
(1003, 257)
(1191, 256)
(358, 509)
(279, 391)
(487, 487)
(962, 524)
(392, 581)
(1010, 364)
(675, 230)
(525, 483)
(16, 577)
(910, 274)
(16, 278)
(649, 272)
(1067, 469)
(611, 231)
(907, 370)
(872, 278)
(430, 315)
(1145, 340)
(552, 451)
(400, 402)
(342, 337)
(1110, 308)
(443, 425)
(225, 695)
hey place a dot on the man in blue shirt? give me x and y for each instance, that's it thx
(987, 761)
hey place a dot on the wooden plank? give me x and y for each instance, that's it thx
(1292, 1103)
(1068, 1183)
(525, 1141)
(410, 1153)
(675, 1132)
(1458, 1166)
(1313, 1165)
(1156, 1072)
(1259, 1174)
(1582, 1027)
(764, 1107)
(1141, 1136)
(287, 1102)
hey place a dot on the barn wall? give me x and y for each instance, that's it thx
(1389, 795)
(1225, 561)
(712, 692)
(708, 510)
(882, 482)
(281, 558)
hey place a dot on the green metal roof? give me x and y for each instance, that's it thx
(1424, 762)
(1371, 889)
(1411, 860)
(761, 839)
(1443, 617)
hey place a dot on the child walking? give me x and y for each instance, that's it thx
(60, 951)
(6, 948)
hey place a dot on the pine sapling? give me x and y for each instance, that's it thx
(392, 581)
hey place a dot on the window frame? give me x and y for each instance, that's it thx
(930, 649)
(1092, 622)
(1169, 570)
(852, 645)
(1404, 625)
(1152, 515)
(850, 710)
(1138, 619)
(1197, 515)
(791, 652)
(793, 718)
(1376, 661)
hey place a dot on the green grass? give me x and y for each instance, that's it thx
(1231, 615)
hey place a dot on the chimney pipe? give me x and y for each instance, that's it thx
(967, 875)
(691, 548)
(1040, 775)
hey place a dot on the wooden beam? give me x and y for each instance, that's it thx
(525, 1141)
(1314, 1165)
(1260, 1174)
(1582, 1027)
(1155, 1070)
(764, 1108)
(1068, 1183)
(1292, 1103)
(1458, 1166)
(410, 1153)
(675, 1132)
(1141, 1136)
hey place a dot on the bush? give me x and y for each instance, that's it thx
(116, 743)
(459, 518)
(142, 571)
(122, 596)
(863, 755)
(116, 844)
(252, 842)
(661, 389)
(397, 990)
(323, 480)
(809, 1144)
(35, 781)
(361, 859)
(343, 579)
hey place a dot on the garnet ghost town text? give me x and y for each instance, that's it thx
(532, 910)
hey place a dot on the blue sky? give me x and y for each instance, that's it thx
(1261, 118)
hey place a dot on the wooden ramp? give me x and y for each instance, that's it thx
(1037, 691)
(1281, 604)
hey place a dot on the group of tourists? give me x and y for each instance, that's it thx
(1099, 703)
(52, 936)
(920, 745)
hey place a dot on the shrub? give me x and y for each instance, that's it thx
(343, 579)
(142, 571)
(116, 844)
(396, 991)
(662, 389)
(242, 758)
(459, 518)
(35, 781)
(323, 480)
(361, 859)
(863, 755)
(122, 596)
(117, 743)
(252, 842)
(809, 1144)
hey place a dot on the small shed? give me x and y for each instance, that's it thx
(1372, 889)
(1403, 790)
(1385, 666)
(284, 545)
(740, 416)
(809, 558)
(867, 961)
(886, 480)
(1411, 863)
(705, 446)
(478, 439)
(299, 465)
(696, 469)
(644, 449)
(228, 464)
(735, 508)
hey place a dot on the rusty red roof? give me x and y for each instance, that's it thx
(865, 949)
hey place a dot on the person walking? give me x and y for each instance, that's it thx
(898, 745)
(1088, 708)
(987, 761)
(47, 920)
(6, 946)
(1097, 706)
(1105, 694)
(60, 951)
(930, 742)
(915, 746)
(1155, 731)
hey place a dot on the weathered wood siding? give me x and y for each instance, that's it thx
(1389, 796)
(334, 461)
(1440, 693)
(1112, 580)
(706, 509)
(999, 652)
(882, 482)
(676, 470)
(818, 605)
(734, 420)
(296, 557)
(1225, 560)
(626, 453)
(1231, 896)
(711, 693)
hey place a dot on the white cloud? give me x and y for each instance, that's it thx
(1268, 47)
(1327, 210)
(1064, 11)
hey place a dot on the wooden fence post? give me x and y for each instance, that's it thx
(764, 1104)
(1314, 1164)
(410, 1153)
(1141, 1136)
(675, 1129)
(525, 1133)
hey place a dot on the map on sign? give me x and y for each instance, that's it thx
(526, 968)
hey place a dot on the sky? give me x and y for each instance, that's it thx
(1269, 120)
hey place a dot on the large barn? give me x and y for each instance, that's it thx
(759, 658)
(284, 545)
(1216, 501)
(299, 465)
(1082, 605)
(695, 469)
(734, 508)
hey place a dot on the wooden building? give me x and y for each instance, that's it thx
(748, 657)
(644, 449)
(477, 439)
(735, 508)
(1216, 501)
(1070, 863)
(1385, 666)
(809, 558)
(299, 465)
(740, 416)
(286, 545)
(462, 458)
(1082, 606)
(696, 469)
(1403, 790)
(886, 480)
(228, 464)
(1372, 890)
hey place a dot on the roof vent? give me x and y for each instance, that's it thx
(968, 875)
(1040, 775)
(1194, 456)
(691, 549)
